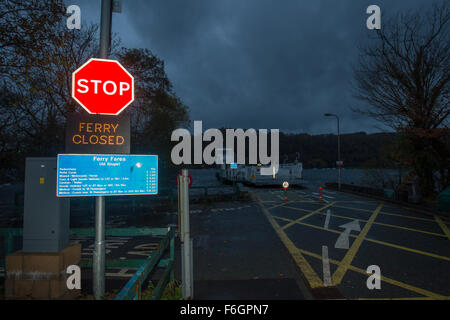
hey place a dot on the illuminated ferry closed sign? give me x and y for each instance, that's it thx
(98, 134)
(81, 175)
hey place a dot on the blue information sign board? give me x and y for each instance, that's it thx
(82, 175)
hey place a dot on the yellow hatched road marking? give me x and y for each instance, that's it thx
(279, 205)
(408, 287)
(385, 213)
(308, 201)
(358, 201)
(298, 209)
(387, 244)
(433, 255)
(389, 225)
(310, 275)
(418, 210)
(443, 226)
(307, 216)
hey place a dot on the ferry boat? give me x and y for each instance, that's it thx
(251, 174)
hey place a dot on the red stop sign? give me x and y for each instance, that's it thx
(103, 86)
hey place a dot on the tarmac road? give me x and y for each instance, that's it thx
(411, 248)
(284, 245)
(236, 255)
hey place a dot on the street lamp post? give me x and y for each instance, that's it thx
(339, 147)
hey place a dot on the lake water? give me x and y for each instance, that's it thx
(313, 177)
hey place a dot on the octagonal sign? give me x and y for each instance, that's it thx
(103, 86)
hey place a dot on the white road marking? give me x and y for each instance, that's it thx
(122, 273)
(90, 251)
(329, 197)
(343, 240)
(327, 219)
(326, 267)
(114, 244)
(144, 249)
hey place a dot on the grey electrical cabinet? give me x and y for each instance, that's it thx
(46, 217)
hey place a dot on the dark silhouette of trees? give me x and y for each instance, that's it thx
(359, 150)
(25, 26)
(403, 75)
(25, 29)
(156, 111)
(38, 54)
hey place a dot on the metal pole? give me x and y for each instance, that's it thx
(99, 250)
(105, 28)
(180, 207)
(187, 246)
(339, 153)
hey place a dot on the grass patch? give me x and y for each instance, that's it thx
(171, 292)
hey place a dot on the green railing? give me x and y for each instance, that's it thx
(132, 290)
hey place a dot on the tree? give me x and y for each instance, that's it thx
(25, 26)
(403, 76)
(35, 82)
(156, 108)
(40, 83)
(156, 111)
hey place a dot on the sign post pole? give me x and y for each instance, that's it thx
(188, 285)
(339, 153)
(180, 206)
(105, 28)
(99, 251)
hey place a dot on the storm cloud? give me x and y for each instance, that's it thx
(256, 63)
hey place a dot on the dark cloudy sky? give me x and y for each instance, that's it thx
(256, 63)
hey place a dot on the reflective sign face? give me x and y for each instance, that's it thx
(285, 185)
(103, 86)
(81, 175)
